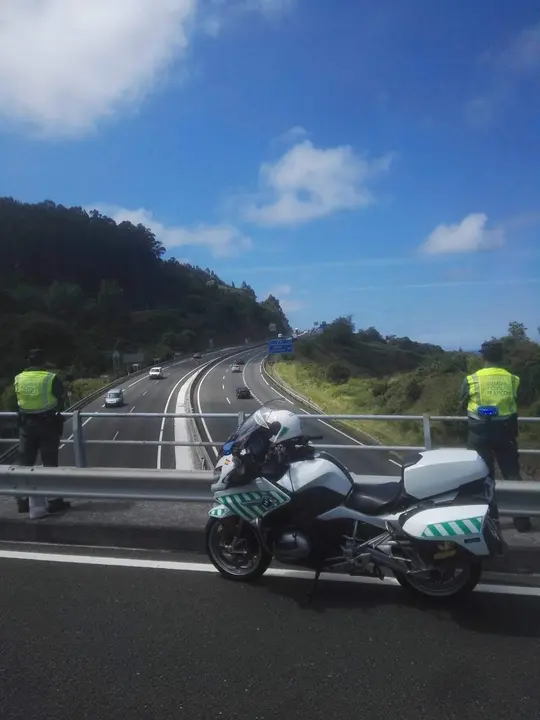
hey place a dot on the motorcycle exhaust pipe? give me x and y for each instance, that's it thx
(382, 559)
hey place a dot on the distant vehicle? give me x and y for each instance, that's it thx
(243, 393)
(280, 335)
(197, 356)
(156, 372)
(114, 398)
(236, 368)
(240, 361)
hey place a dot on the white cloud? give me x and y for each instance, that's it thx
(469, 235)
(222, 240)
(67, 64)
(308, 183)
(282, 293)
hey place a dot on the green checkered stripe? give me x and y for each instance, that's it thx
(251, 505)
(469, 526)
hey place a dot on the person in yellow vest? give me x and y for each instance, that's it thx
(491, 398)
(40, 401)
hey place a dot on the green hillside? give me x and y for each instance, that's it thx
(81, 286)
(349, 372)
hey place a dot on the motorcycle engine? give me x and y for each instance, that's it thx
(292, 545)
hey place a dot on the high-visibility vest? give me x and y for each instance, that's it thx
(493, 386)
(34, 391)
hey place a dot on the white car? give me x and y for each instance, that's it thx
(236, 368)
(114, 398)
(156, 373)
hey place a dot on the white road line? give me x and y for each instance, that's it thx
(116, 434)
(132, 409)
(180, 566)
(198, 395)
(272, 387)
(85, 422)
(256, 355)
(144, 377)
(223, 386)
(227, 399)
(144, 393)
(162, 428)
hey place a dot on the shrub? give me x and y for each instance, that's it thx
(338, 373)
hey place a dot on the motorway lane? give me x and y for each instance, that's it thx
(95, 641)
(216, 393)
(142, 395)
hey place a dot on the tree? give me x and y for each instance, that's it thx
(517, 331)
(79, 280)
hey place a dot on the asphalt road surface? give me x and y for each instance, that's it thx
(216, 393)
(141, 395)
(93, 641)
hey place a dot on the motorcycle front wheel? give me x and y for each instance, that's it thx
(453, 578)
(235, 549)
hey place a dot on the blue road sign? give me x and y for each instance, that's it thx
(283, 345)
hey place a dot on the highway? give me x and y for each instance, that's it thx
(87, 639)
(141, 395)
(216, 393)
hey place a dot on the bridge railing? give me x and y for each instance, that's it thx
(80, 442)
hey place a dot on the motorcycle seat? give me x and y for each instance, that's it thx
(373, 495)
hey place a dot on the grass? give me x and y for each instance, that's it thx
(401, 394)
(352, 398)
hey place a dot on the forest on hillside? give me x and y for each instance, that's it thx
(342, 353)
(81, 286)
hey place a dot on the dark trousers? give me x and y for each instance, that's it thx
(496, 442)
(39, 436)
(44, 440)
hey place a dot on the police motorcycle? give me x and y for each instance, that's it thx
(278, 497)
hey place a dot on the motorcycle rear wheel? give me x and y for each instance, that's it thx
(235, 549)
(458, 578)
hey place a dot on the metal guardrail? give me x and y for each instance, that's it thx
(514, 498)
(79, 442)
(78, 433)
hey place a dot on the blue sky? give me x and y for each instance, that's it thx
(376, 158)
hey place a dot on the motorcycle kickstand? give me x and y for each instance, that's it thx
(311, 591)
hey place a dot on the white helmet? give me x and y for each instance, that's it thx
(290, 425)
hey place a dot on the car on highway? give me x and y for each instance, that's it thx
(235, 367)
(243, 393)
(156, 373)
(197, 356)
(114, 398)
